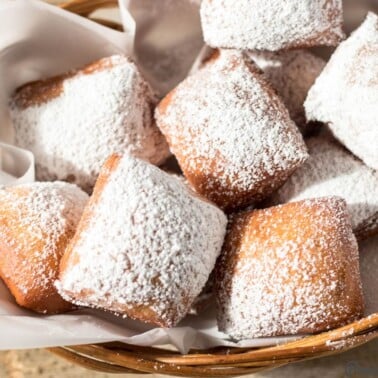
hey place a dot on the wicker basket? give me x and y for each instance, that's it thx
(218, 362)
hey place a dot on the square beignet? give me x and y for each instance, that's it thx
(36, 223)
(72, 123)
(230, 132)
(145, 245)
(345, 95)
(271, 25)
(288, 270)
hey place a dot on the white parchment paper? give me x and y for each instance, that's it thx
(37, 41)
(16, 165)
(168, 39)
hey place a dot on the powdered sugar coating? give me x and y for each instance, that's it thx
(231, 134)
(36, 221)
(345, 95)
(271, 25)
(369, 276)
(148, 247)
(291, 73)
(86, 116)
(289, 269)
(332, 170)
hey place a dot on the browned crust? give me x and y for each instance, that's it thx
(42, 91)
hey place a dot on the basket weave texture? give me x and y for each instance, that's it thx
(219, 362)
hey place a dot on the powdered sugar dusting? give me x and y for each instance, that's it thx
(289, 269)
(271, 25)
(230, 132)
(33, 220)
(149, 243)
(103, 109)
(331, 170)
(345, 95)
(291, 73)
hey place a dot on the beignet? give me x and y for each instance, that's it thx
(230, 132)
(345, 95)
(145, 245)
(271, 25)
(73, 122)
(36, 223)
(288, 270)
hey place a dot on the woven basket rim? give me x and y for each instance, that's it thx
(120, 358)
(217, 362)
